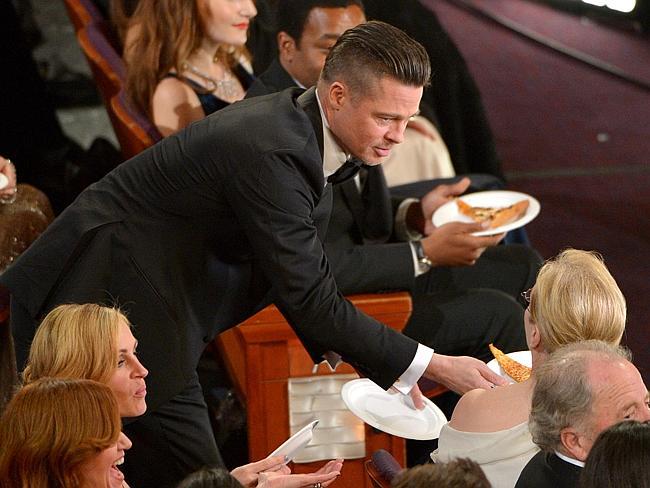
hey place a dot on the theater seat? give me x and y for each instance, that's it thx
(132, 128)
(263, 355)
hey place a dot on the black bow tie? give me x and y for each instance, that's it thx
(348, 170)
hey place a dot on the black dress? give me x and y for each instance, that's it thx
(209, 102)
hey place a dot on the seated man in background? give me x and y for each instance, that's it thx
(582, 389)
(461, 303)
(306, 32)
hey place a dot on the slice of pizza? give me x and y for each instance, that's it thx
(497, 216)
(514, 369)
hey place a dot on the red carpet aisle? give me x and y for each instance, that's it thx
(576, 138)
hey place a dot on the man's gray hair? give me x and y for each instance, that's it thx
(370, 51)
(563, 395)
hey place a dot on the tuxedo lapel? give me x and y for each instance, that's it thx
(352, 197)
(377, 205)
(371, 208)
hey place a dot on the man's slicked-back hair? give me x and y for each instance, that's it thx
(374, 50)
(291, 15)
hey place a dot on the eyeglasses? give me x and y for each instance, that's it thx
(526, 295)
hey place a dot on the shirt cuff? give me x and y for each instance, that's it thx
(417, 269)
(402, 232)
(416, 369)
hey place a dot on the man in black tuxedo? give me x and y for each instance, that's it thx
(580, 390)
(457, 309)
(205, 228)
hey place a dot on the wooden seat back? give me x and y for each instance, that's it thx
(133, 129)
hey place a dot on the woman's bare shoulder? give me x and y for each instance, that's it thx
(174, 105)
(489, 410)
(470, 408)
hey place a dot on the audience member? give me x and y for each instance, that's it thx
(186, 58)
(619, 457)
(575, 298)
(306, 30)
(9, 189)
(93, 342)
(64, 433)
(457, 311)
(458, 473)
(580, 390)
(212, 224)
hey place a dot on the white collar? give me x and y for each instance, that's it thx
(570, 460)
(333, 155)
(298, 84)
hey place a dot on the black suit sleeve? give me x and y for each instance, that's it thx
(274, 202)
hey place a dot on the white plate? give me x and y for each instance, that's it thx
(390, 412)
(449, 211)
(523, 357)
(294, 444)
(4, 181)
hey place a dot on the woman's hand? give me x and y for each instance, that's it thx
(8, 193)
(323, 477)
(248, 474)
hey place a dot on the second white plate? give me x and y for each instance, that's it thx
(523, 357)
(390, 412)
(296, 443)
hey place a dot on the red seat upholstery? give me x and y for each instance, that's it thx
(109, 71)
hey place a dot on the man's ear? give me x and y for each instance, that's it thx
(286, 47)
(575, 444)
(337, 95)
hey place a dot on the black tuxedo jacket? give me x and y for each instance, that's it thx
(361, 223)
(546, 470)
(197, 233)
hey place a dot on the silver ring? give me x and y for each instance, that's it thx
(318, 485)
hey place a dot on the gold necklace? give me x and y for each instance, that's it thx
(227, 86)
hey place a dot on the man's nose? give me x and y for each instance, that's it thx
(396, 133)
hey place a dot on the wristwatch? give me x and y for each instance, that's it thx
(424, 263)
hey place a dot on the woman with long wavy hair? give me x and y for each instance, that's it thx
(95, 342)
(186, 58)
(62, 433)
